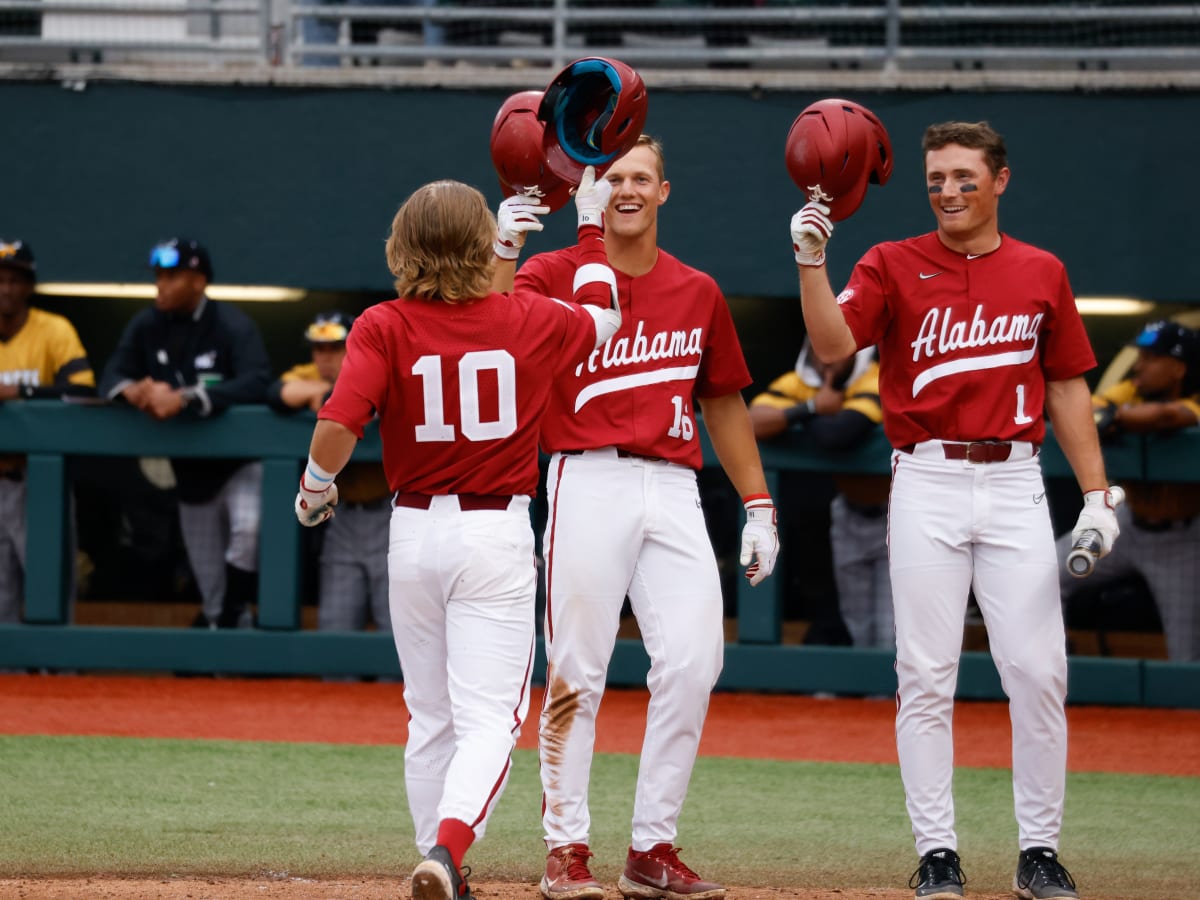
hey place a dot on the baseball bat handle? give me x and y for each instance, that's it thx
(1082, 558)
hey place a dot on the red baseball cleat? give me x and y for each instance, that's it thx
(659, 872)
(567, 875)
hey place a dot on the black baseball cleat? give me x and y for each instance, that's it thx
(939, 876)
(437, 878)
(1040, 875)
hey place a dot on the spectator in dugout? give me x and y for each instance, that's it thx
(353, 581)
(41, 356)
(1160, 521)
(189, 356)
(838, 405)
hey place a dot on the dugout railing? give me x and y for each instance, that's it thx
(51, 432)
(889, 36)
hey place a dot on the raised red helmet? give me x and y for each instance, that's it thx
(834, 149)
(516, 148)
(594, 111)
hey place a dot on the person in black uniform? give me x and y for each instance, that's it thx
(191, 356)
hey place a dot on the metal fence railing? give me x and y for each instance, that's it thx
(886, 35)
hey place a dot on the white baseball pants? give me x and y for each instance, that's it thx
(462, 588)
(956, 525)
(621, 526)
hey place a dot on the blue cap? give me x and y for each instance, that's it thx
(1167, 338)
(181, 253)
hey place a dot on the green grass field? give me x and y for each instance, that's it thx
(143, 807)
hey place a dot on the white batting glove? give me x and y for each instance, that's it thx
(314, 507)
(1099, 515)
(811, 228)
(760, 539)
(517, 216)
(591, 199)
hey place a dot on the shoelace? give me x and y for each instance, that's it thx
(938, 870)
(1046, 864)
(576, 860)
(670, 858)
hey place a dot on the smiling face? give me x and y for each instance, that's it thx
(964, 195)
(638, 191)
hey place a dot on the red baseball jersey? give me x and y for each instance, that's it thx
(460, 388)
(676, 342)
(966, 342)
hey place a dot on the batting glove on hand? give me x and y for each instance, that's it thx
(517, 216)
(313, 507)
(1099, 515)
(811, 228)
(760, 539)
(591, 199)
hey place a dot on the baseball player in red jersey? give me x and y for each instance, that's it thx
(978, 336)
(460, 377)
(625, 520)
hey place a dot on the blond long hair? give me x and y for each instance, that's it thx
(440, 247)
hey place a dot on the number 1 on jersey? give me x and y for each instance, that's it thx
(1021, 418)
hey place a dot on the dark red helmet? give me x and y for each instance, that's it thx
(516, 147)
(594, 111)
(835, 148)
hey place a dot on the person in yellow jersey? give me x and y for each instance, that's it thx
(838, 404)
(41, 356)
(354, 547)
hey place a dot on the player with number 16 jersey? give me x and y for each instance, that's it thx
(625, 520)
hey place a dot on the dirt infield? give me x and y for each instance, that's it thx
(739, 725)
(286, 888)
(784, 727)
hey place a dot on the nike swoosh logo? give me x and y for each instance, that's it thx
(974, 255)
(934, 275)
(1037, 498)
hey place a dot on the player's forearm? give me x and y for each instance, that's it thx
(831, 337)
(732, 436)
(332, 445)
(1069, 405)
(1151, 417)
(504, 275)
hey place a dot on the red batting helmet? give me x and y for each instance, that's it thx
(516, 147)
(594, 111)
(834, 149)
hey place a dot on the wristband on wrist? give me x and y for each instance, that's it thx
(315, 479)
(757, 500)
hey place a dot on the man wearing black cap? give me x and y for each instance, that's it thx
(192, 356)
(40, 356)
(354, 545)
(1160, 521)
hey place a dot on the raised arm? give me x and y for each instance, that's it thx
(827, 330)
(516, 217)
